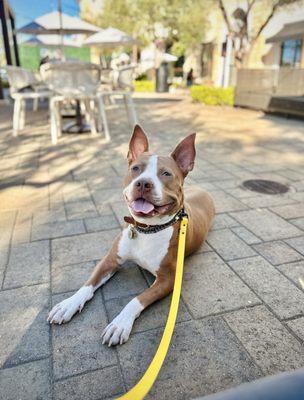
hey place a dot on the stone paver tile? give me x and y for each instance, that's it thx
(240, 192)
(75, 191)
(294, 271)
(104, 182)
(120, 209)
(290, 211)
(70, 277)
(81, 209)
(101, 223)
(154, 316)
(77, 344)
(299, 222)
(290, 174)
(297, 326)
(222, 221)
(266, 225)
(57, 229)
(277, 252)
(297, 243)
(97, 385)
(227, 183)
(211, 287)
(226, 203)
(268, 201)
(128, 280)
(204, 357)
(205, 248)
(268, 342)
(228, 245)
(24, 197)
(205, 185)
(284, 298)
(27, 382)
(299, 196)
(22, 229)
(4, 252)
(48, 216)
(104, 209)
(88, 171)
(246, 235)
(80, 248)
(7, 219)
(23, 330)
(107, 196)
(29, 264)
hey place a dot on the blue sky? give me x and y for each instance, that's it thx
(27, 10)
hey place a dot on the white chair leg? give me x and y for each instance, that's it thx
(35, 104)
(58, 118)
(84, 107)
(130, 105)
(53, 121)
(16, 117)
(91, 109)
(22, 114)
(102, 112)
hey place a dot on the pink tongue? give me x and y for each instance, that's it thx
(143, 206)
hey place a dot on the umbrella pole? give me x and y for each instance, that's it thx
(60, 29)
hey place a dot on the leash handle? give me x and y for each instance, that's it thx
(141, 389)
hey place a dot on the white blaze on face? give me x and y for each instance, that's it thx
(150, 173)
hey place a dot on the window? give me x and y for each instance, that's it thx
(291, 53)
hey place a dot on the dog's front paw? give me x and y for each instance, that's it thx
(118, 331)
(65, 310)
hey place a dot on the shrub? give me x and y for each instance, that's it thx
(144, 86)
(212, 95)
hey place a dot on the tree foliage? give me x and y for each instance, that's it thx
(184, 20)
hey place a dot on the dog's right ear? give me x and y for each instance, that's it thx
(138, 144)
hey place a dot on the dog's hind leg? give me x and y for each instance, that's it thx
(64, 311)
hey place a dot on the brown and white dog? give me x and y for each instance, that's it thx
(153, 190)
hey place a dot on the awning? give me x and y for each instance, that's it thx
(293, 30)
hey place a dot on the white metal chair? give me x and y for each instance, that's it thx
(24, 85)
(74, 81)
(122, 86)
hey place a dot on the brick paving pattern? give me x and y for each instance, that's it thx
(242, 309)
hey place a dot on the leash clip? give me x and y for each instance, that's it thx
(132, 232)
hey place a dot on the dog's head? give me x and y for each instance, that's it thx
(153, 186)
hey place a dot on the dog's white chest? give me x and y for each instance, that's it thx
(147, 250)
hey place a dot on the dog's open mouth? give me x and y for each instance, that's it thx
(145, 208)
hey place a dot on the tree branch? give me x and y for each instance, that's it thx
(225, 16)
(274, 8)
(250, 5)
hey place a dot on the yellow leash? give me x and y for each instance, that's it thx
(140, 390)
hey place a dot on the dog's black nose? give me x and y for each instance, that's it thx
(144, 185)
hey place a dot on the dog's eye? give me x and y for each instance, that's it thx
(135, 168)
(166, 173)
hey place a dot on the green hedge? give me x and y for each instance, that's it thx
(144, 86)
(212, 96)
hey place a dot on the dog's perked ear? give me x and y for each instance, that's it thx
(184, 154)
(138, 143)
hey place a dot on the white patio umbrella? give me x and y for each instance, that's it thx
(59, 24)
(52, 41)
(110, 37)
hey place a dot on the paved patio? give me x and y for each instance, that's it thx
(241, 314)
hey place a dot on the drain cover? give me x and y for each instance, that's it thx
(264, 186)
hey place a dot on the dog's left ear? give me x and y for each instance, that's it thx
(138, 143)
(184, 154)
